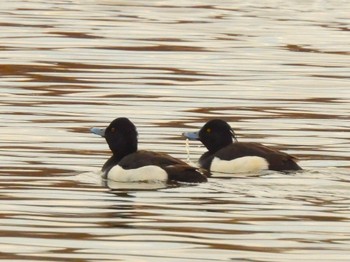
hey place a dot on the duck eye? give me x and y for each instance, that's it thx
(208, 130)
(113, 129)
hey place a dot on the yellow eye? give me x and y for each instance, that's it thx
(208, 130)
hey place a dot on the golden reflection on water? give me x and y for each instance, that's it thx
(278, 72)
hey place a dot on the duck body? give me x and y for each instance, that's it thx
(225, 154)
(127, 164)
(246, 157)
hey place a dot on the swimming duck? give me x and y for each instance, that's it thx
(128, 164)
(225, 154)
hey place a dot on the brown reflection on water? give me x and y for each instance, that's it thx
(158, 48)
(75, 35)
(297, 48)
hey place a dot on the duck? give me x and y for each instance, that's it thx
(128, 164)
(227, 155)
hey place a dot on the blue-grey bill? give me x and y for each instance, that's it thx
(191, 135)
(98, 131)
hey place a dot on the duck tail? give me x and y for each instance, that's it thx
(187, 174)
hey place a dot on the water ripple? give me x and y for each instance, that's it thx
(265, 67)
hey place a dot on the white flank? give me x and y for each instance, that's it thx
(145, 173)
(246, 164)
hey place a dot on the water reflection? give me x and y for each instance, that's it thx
(265, 67)
(243, 214)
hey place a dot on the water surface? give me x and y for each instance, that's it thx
(277, 71)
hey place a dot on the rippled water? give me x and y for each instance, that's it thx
(278, 71)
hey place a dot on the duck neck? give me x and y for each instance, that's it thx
(123, 151)
(218, 144)
(117, 156)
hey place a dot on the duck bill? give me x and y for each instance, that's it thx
(98, 131)
(191, 135)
